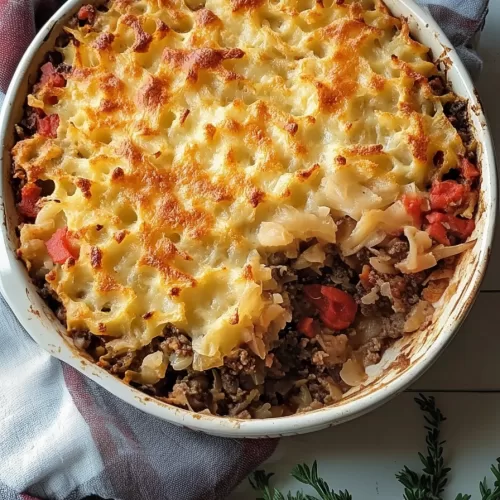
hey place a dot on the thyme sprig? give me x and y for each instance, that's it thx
(431, 483)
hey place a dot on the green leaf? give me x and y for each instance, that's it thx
(259, 479)
(309, 476)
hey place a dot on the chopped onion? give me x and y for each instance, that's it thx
(374, 240)
(382, 266)
(258, 347)
(334, 390)
(263, 412)
(217, 380)
(411, 189)
(79, 342)
(442, 252)
(254, 393)
(277, 298)
(179, 363)
(153, 368)
(371, 297)
(419, 257)
(304, 397)
(313, 255)
(385, 290)
(352, 373)
(420, 313)
(323, 211)
(272, 234)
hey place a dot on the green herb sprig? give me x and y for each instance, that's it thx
(429, 484)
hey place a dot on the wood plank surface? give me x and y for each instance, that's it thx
(363, 456)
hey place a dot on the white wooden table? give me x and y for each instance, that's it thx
(363, 456)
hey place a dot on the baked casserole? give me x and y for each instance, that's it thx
(237, 206)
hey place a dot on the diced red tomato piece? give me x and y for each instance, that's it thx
(437, 231)
(48, 125)
(59, 246)
(413, 206)
(30, 194)
(308, 327)
(50, 76)
(436, 217)
(447, 194)
(87, 13)
(469, 171)
(337, 309)
(462, 228)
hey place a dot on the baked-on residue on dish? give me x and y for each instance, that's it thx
(238, 205)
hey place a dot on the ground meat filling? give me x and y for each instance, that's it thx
(458, 115)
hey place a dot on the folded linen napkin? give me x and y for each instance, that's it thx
(64, 437)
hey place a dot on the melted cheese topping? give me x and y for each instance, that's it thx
(192, 143)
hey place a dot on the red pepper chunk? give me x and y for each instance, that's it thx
(447, 194)
(30, 194)
(308, 327)
(469, 171)
(462, 228)
(364, 277)
(413, 207)
(337, 309)
(59, 247)
(51, 77)
(47, 126)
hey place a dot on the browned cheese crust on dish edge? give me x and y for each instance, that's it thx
(238, 206)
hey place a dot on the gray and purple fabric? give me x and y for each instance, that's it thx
(61, 435)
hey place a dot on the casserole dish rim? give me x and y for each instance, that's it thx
(21, 294)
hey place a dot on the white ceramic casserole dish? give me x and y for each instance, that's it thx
(401, 365)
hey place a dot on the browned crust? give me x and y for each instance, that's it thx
(255, 197)
(192, 61)
(205, 17)
(104, 41)
(142, 39)
(84, 185)
(238, 5)
(96, 257)
(183, 116)
(117, 173)
(153, 94)
(119, 236)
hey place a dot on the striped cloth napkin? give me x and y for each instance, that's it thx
(62, 436)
